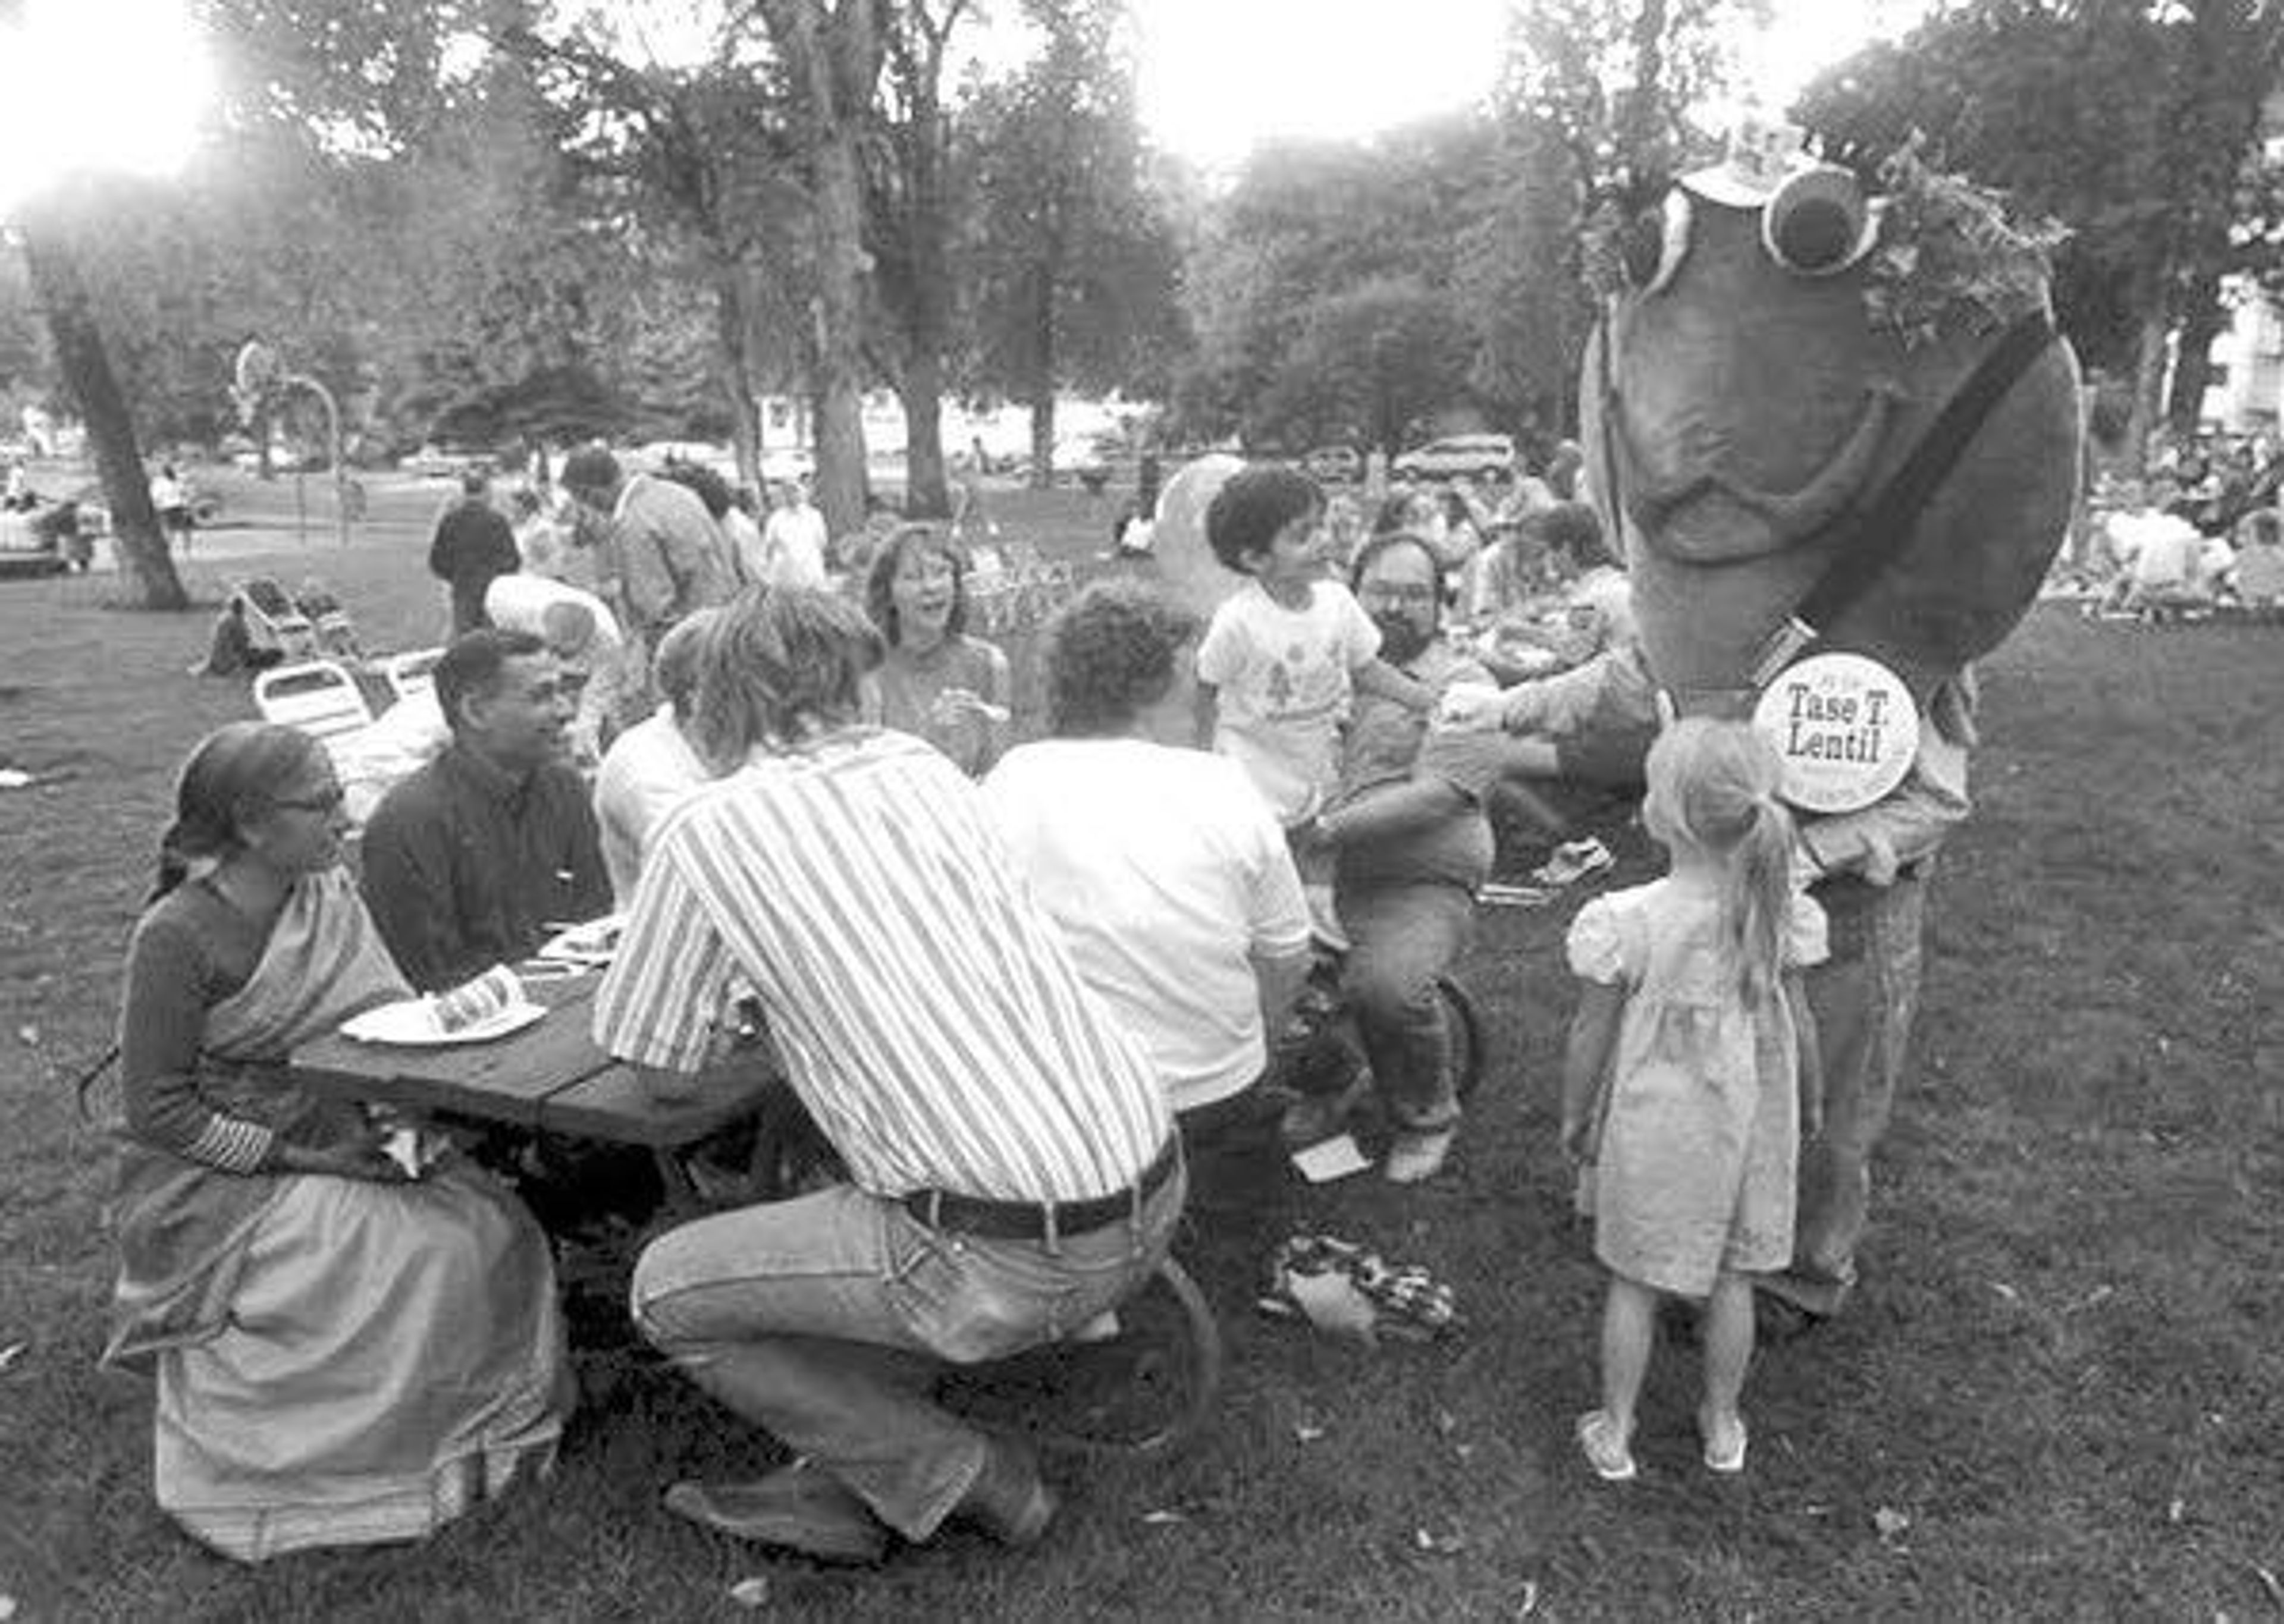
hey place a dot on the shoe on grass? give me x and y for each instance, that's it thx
(1610, 1454)
(1413, 1158)
(1779, 1319)
(1572, 862)
(1008, 1500)
(1724, 1443)
(798, 1507)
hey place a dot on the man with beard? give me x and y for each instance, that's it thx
(1411, 839)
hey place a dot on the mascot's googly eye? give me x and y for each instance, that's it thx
(1655, 245)
(1818, 222)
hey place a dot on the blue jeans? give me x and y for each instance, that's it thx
(1863, 997)
(826, 1319)
(1402, 937)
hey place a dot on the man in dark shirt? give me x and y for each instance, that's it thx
(467, 860)
(474, 542)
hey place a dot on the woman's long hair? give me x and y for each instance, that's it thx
(1714, 783)
(230, 775)
(880, 580)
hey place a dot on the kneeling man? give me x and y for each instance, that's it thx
(1012, 1170)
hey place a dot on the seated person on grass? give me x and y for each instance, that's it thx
(1409, 834)
(470, 860)
(1169, 879)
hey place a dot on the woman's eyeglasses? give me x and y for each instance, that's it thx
(330, 801)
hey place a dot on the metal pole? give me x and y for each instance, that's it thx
(334, 446)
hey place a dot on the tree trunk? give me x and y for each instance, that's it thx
(2148, 378)
(2207, 319)
(734, 328)
(1043, 387)
(86, 365)
(833, 60)
(928, 493)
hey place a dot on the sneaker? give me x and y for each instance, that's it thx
(1415, 1157)
(1573, 862)
(1725, 1446)
(1611, 1455)
(798, 1507)
(1008, 1500)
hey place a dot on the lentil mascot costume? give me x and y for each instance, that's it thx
(1824, 423)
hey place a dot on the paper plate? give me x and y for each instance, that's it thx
(414, 1021)
(591, 943)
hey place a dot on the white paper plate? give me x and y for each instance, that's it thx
(591, 943)
(414, 1021)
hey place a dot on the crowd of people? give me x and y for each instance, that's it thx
(1031, 992)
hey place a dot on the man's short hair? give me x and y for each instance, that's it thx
(475, 482)
(589, 468)
(1110, 653)
(1246, 512)
(473, 666)
(777, 665)
(1376, 545)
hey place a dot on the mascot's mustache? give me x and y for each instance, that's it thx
(1651, 500)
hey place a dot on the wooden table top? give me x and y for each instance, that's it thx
(549, 1076)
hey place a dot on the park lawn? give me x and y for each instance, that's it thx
(2059, 1393)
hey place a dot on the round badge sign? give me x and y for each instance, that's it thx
(1846, 728)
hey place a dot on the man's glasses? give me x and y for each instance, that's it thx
(1394, 594)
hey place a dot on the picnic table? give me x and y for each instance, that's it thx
(550, 1077)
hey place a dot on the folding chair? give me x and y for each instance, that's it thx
(272, 622)
(317, 696)
(411, 672)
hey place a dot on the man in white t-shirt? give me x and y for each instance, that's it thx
(793, 540)
(654, 766)
(1167, 871)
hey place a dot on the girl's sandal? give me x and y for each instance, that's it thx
(1609, 1455)
(1725, 1447)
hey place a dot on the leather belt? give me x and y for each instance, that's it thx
(940, 1209)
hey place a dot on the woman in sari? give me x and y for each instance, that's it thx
(343, 1357)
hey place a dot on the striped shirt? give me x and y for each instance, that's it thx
(925, 1007)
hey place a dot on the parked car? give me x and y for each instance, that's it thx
(448, 461)
(1333, 464)
(1455, 455)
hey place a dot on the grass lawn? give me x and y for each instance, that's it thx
(2060, 1394)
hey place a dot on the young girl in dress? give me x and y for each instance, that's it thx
(1683, 1084)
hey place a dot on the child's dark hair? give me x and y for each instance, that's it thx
(1246, 513)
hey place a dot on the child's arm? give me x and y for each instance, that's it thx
(1202, 717)
(1811, 1055)
(1586, 1057)
(1383, 681)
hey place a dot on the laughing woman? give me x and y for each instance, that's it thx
(937, 683)
(343, 1357)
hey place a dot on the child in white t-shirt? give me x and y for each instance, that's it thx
(1285, 653)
